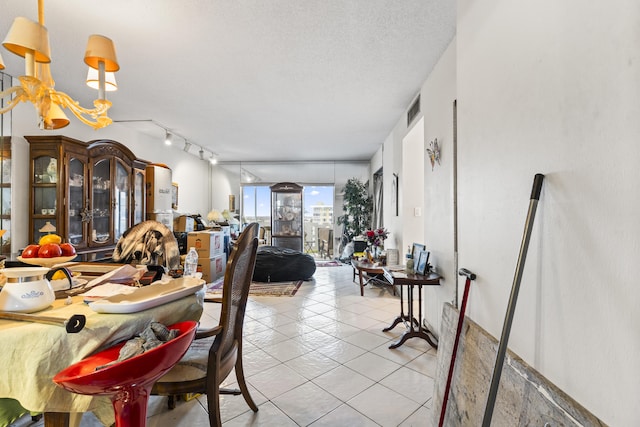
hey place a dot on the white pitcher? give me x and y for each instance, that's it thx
(28, 288)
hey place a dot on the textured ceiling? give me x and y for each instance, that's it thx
(253, 80)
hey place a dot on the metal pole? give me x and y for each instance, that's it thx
(506, 329)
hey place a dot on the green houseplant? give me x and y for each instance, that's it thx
(357, 207)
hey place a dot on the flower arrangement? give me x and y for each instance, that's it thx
(376, 237)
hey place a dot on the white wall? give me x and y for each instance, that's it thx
(437, 95)
(412, 185)
(552, 87)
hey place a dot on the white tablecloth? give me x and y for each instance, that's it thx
(32, 353)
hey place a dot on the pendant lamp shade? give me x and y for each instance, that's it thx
(101, 48)
(94, 82)
(1, 63)
(27, 36)
(56, 119)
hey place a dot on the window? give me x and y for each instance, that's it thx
(256, 204)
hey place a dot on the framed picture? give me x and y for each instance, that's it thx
(174, 195)
(415, 251)
(422, 261)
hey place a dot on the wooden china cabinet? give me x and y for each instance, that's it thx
(90, 192)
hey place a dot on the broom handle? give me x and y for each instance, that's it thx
(506, 328)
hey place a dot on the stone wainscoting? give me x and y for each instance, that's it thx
(525, 397)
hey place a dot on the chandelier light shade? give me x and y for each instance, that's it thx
(30, 40)
(109, 79)
(56, 119)
(101, 49)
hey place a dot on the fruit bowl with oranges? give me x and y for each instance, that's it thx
(48, 252)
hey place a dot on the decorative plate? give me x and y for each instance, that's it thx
(46, 262)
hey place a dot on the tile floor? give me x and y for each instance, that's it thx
(318, 358)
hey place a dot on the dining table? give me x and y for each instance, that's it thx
(33, 353)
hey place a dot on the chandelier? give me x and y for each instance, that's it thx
(30, 40)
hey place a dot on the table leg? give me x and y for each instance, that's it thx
(401, 318)
(411, 331)
(361, 284)
(56, 419)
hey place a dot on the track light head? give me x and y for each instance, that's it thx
(187, 145)
(167, 138)
(201, 154)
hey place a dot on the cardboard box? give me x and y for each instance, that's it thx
(207, 243)
(183, 224)
(212, 268)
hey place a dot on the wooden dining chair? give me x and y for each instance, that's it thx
(217, 351)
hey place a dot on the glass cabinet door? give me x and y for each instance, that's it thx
(138, 197)
(45, 190)
(101, 201)
(78, 214)
(121, 196)
(286, 216)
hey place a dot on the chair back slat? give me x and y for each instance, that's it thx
(235, 290)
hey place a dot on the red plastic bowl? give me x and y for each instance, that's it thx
(145, 368)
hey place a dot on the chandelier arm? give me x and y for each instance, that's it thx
(98, 114)
(20, 97)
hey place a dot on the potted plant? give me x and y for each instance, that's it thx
(357, 207)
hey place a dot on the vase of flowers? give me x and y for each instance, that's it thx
(375, 240)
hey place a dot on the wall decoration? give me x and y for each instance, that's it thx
(434, 152)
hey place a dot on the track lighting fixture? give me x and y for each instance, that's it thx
(171, 136)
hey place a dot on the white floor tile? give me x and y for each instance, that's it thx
(409, 383)
(312, 364)
(344, 383)
(372, 366)
(276, 381)
(344, 415)
(383, 405)
(306, 403)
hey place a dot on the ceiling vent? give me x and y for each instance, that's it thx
(414, 110)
